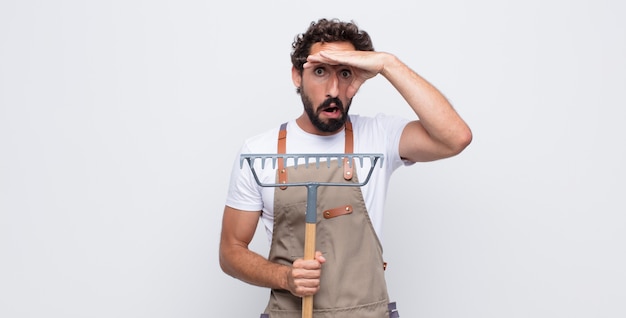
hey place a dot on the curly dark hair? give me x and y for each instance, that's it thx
(325, 30)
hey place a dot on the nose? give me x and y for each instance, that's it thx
(332, 89)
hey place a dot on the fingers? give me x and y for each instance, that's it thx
(354, 88)
(330, 58)
(365, 60)
(305, 275)
(320, 257)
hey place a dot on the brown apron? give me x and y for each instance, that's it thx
(352, 282)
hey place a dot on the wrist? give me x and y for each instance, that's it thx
(284, 277)
(390, 62)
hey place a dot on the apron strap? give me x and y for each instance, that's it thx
(348, 167)
(282, 148)
(393, 312)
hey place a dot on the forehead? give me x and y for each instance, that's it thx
(331, 46)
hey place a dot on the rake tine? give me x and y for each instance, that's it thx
(308, 158)
(295, 161)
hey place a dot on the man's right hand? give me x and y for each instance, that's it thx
(304, 276)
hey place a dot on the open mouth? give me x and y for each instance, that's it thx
(331, 107)
(331, 110)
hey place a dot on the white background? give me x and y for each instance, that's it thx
(119, 121)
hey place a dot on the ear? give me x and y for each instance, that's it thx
(296, 77)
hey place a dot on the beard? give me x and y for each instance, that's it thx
(331, 125)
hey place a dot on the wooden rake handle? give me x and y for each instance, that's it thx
(309, 254)
(309, 240)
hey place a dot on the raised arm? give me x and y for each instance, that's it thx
(438, 132)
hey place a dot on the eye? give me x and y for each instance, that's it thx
(346, 73)
(319, 71)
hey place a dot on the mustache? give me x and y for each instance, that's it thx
(329, 101)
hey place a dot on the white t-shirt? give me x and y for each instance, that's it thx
(379, 134)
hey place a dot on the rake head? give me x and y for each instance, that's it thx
(309, 159)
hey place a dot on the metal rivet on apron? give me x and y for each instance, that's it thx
(327, 213)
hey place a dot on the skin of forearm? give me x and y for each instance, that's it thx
(434, 111)
(252, 268)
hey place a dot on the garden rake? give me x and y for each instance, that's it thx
(311, 202)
